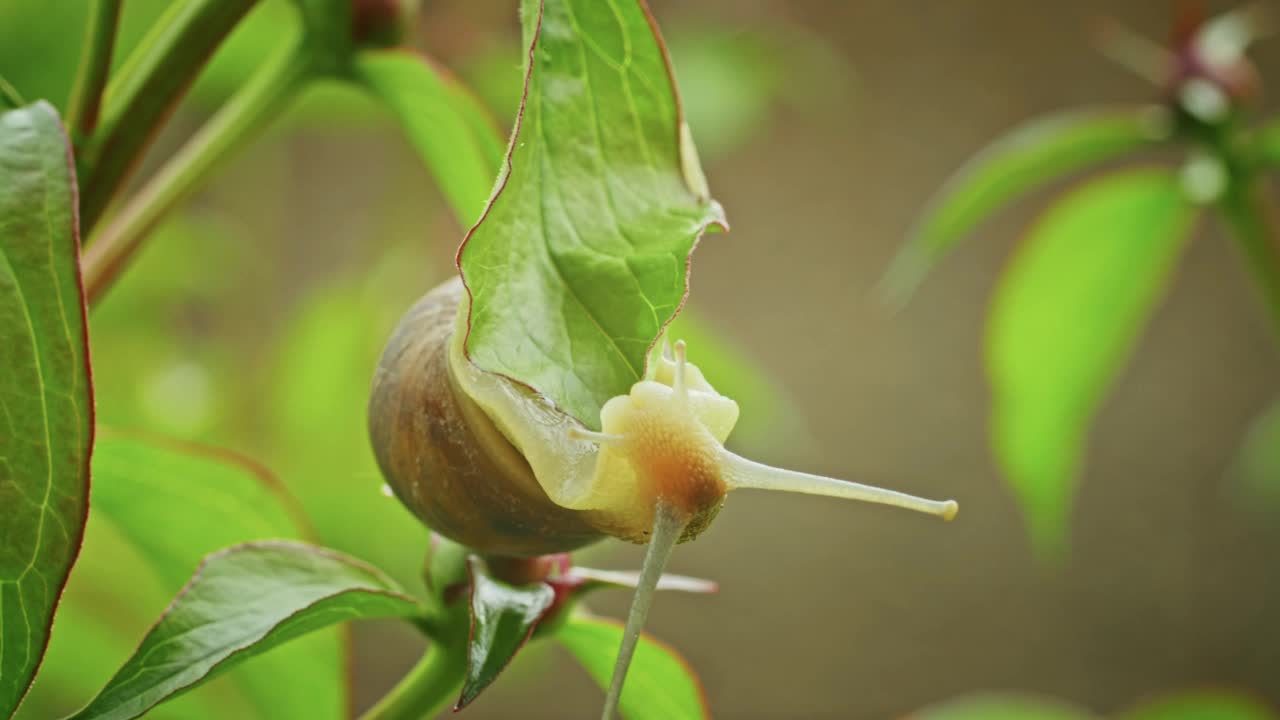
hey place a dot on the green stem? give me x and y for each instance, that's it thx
(428, 688)
(1252, 220)
(145, 92)
(91, 77)
(242, 118)
(9, 95)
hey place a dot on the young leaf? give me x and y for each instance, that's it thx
(581, 257)
(176, 503)
(159, 506)
(660, 685)
(1025, 159)
(46, 398)
(241, 602)
(1002, 706)
(502, 619)
(1064, 317)
(1201, 705)
(445, 123)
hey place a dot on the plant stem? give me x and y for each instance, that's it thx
(242, 118)
(145, 91)
(9, 95)
(428, 688)
(91, 77)
(1252, 220)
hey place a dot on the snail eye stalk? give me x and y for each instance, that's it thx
(740, 472)
(599, 438)
(681, 385)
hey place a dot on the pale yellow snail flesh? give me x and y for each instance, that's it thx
(657, 471)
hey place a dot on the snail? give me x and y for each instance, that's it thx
(495, 466)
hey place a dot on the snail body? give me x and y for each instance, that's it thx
(494, 465)
(464, 449)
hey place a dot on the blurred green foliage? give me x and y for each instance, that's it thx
(158, 508)
(230, 330)
(1065, 316)
(1088, 274)
(660, 685)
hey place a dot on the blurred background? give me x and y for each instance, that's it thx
(254, 318)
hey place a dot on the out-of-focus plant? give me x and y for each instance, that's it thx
(1090, 271)
(1186, 705)
(254, 569)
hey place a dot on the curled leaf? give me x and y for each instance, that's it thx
(582, 256)
(503, 618)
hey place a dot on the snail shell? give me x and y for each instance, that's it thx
(444, 457)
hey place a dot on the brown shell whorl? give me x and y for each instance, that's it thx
(443, 457)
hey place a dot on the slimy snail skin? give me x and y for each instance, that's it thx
(497, 467)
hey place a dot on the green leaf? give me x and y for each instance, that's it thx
(319, 440)
(1002, 706)
(590, 232)
(445, 123)
(46, 398)
(502, 619)
(1258, 464)
(159, 506)
(660, 684)
(241, 602)
(1201, 705)
(1064, 318)
(1027, 158)
(155, 491)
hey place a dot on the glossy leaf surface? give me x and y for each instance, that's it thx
(1027, 158)
(46, 401)
(159, 506)
(581, 257)
(445, 123)
(243, 601)
(502, 619)
(1066, 314)
(660, 684)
